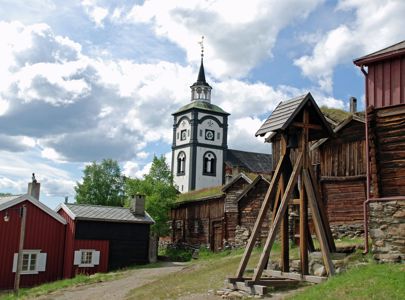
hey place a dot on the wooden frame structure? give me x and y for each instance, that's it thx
(296, 120)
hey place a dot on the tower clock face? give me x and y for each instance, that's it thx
(209, 134)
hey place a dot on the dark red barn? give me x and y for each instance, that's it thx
(43, 244)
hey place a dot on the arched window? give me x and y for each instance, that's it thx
(209, 164)
(181, 163)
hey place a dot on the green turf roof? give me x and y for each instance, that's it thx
(337, 115)
(199, 194)
(202, 105)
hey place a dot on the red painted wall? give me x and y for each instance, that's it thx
(386, 83)
(71, 245)
(42, 232)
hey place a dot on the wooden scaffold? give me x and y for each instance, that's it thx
(297, 121)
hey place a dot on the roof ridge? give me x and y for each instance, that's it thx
(96, 205)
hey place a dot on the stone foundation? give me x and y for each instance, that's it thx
(347, 230)
(387, 230)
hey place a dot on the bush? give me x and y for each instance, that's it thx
(178, 254)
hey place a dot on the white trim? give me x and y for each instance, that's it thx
(34, 201)
(40, 263)
(66, 210)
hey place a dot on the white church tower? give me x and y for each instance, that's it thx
(199, 139)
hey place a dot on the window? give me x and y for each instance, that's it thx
(32, 262)
(209, 164)
(86, 258)
(201, 132)
(183, 135)
(181, 163)
(218, 135)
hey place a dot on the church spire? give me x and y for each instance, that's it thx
(201, 90)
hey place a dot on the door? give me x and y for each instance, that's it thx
(216, 236)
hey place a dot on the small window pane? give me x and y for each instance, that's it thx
(86, 257)
(33, 262)
(26, 258)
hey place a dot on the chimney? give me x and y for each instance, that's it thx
(353, 105)
(34, 187)
(138, 205)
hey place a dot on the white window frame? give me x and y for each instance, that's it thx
(95, 258)
(40, 262)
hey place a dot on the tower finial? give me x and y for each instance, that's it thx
(202, 46)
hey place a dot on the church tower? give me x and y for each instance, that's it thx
(200, 131)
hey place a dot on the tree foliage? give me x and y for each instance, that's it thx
(4, 194)
(160, 194)
(102, 184)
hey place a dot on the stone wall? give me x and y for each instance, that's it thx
(347, 230)
(387, 230)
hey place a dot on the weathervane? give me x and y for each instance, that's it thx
(202, 46)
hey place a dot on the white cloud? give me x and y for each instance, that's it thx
(377, 24)
(248, 30)
(95, 12)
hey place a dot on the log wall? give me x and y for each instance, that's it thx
(387, 139)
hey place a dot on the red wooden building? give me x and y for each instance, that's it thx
(103, 238)
(43, 250)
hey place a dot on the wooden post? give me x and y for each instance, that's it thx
(277, 221)
(20, 249)
(319, 228)
(303, 230)
(260, 218)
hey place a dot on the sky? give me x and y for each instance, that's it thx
(81, 81)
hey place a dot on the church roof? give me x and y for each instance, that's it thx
(260, 163)
(204, 105)
(201, 76)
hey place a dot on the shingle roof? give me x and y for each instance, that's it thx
(280, 115)
(388, 52)
(250, 161)
(286, 111)
(104, 213)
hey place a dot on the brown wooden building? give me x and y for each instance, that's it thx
(224, 218)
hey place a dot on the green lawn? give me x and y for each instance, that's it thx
(371, 281)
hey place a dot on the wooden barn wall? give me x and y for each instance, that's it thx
(344, 200)
(192, 222)
(345, 155)
(249, 207)
(386, 83)
(128, 242)
(43, 232)
(231, 208)
(387, 148)
(69, 245)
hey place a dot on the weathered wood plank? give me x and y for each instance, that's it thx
(303, 230)
(295, 276)
(319, 227)
(262, 214)
(277, 221)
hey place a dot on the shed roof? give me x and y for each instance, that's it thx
(386, 53)
(251, 186)
(343, 124)
(251, 161)
(287, 111)
(9, 201)
(235, 179)
(103, 213)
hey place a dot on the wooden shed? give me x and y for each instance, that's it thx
(103, 238)
(42, 256)
(219, 220)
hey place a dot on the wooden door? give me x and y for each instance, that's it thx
(216, 236)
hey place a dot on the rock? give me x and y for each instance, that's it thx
(320, 271)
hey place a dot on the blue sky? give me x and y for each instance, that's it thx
(86, 80)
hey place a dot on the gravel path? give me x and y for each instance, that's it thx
(116, 289)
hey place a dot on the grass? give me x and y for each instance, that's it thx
(198, 194)
(335, 114)
(207, 273)
(79, 280)
(371, 281)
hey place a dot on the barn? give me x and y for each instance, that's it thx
(103, 238)
(221, 216)
(384, 73)
(43, 244)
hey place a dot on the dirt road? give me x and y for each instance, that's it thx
(116, 289)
